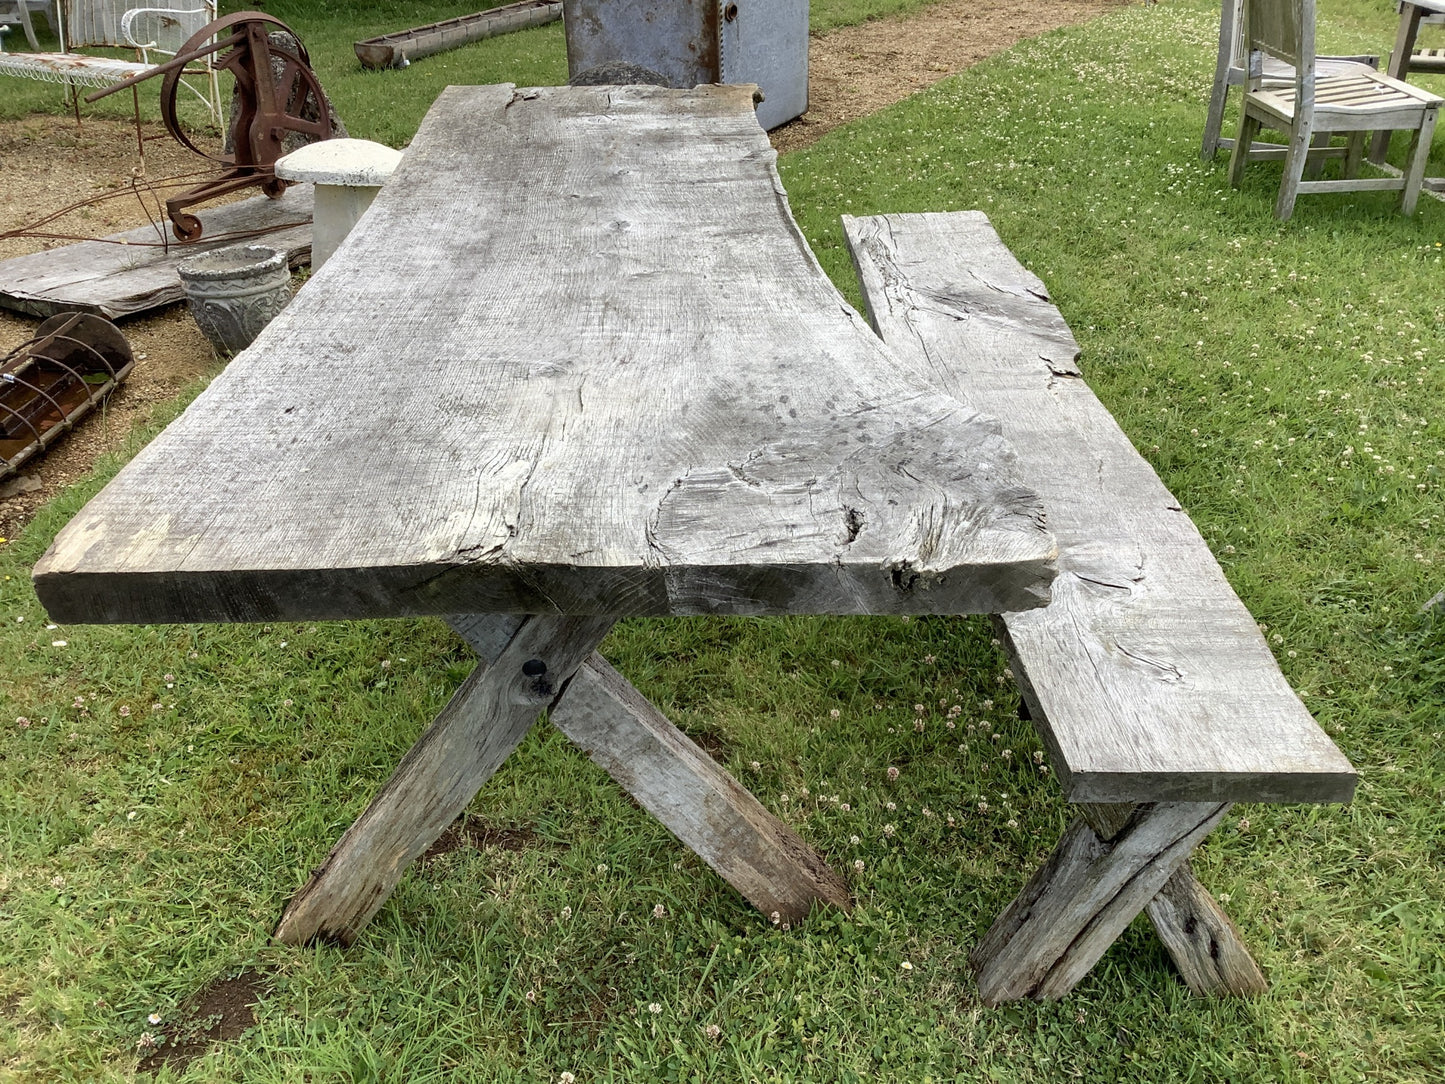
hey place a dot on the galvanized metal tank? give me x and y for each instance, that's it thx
(689, 42)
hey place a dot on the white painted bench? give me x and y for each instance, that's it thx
(146, 26)
(1149, 682)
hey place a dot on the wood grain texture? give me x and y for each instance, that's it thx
(119, 280)
(484, 721)
(603, 374)
(1083, 898)
(1146, 676)
(1206, 946)
(1204, 942)
(693, 796)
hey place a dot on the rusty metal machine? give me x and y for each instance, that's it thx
(277, 99)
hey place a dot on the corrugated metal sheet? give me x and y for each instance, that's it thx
(689, 42)
(678, 39)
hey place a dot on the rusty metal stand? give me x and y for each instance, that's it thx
(277, 95)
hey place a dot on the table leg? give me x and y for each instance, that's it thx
(1398, 68)
(485, 720)
(1085, 896)
(684, 788)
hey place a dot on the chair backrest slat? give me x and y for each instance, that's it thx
(1281, 28)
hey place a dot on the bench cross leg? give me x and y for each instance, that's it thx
(1203, 941)
(1080, 901)
(679, 784)
(484, 721)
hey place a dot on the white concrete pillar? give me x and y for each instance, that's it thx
(347, 174)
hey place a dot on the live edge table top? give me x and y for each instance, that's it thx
(577, 358)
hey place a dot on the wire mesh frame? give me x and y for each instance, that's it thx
(19, 360)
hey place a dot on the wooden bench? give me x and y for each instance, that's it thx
(1149, 682)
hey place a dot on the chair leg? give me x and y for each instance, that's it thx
(28, 27)
(1354, 154)
(1214, 119)
(1315, 163)
(1397, 68)
(1294, 167)
(1248, 128)
(1415, 171)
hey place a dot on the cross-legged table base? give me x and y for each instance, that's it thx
(549, 663)
(1112, 863)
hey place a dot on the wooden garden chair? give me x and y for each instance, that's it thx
(1229, 71)
(1324, 105)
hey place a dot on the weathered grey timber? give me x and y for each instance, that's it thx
(116, 280)
(604, 375)
(1203, 941)
(1146, 676)
(485, 720)
(1083, 898)
(684, 788)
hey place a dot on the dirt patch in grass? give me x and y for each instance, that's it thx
(861, 69)
(46, 163)
(219, 1013)
(712, 744)
(476, 833)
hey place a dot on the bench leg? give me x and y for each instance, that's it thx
(684, 788)
(1085, 896)
(1206, 946)
(484, 721)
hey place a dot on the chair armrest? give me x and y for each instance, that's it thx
(1364, 58)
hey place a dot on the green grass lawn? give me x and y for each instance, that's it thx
(163, 790)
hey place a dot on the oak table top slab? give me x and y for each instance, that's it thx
(576, 358)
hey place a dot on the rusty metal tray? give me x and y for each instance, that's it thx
(50, 382)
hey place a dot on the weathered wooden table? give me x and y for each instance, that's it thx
(577, 362)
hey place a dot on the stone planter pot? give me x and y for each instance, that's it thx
(234, 292)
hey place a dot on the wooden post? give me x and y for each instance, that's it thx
(1083, 898)
(679, 784)
(485, 720)
(1398, 68)
(1206, 945)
